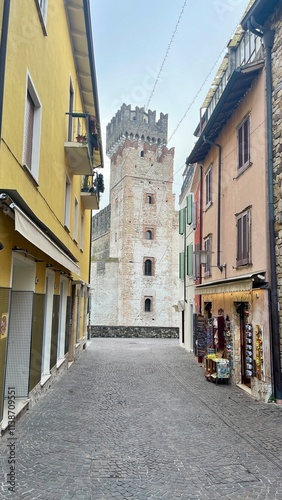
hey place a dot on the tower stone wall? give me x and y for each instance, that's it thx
(143, 227)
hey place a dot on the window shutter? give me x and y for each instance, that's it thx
(181, 220)
(194, 215)
(190, 259)
(189, 204)
(181, 265)
(28, 130)
(246, 141)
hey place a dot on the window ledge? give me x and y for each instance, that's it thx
(60, 362)
(44, 379)
(29, 174)
(208, 206)
(242, 170)
(241, 266)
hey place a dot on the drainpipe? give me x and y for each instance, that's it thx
(3, 53)
(220, 266)
(268, 39)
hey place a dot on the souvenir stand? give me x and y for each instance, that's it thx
(217, 362)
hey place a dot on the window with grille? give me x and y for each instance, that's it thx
(243, 238)
(244, 144)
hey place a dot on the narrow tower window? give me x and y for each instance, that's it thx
(149, 234)
(148, 305)
(149, 199)
(148, 267)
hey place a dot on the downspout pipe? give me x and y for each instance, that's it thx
(3, 53)
(268, 39)
(219, 265)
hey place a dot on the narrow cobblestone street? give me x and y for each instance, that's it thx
(136, 419)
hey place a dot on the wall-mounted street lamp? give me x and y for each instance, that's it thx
(204, 255)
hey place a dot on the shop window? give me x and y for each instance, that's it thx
(243, 238)
(208, 249)
(244, 144)
(148, 305)
(208, 182)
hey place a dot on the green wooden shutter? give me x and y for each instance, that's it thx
(181, 220)
(181, 265)
(190, 259)
(189, 202)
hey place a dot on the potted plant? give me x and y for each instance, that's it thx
(85, 184)
(81, 138)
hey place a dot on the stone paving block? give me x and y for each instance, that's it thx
(143, 423)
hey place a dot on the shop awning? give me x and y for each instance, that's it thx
(236, 284)
(29, 230)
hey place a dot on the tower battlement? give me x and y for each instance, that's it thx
(135, 124)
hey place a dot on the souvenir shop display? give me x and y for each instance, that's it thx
(201, 337)
(228, 341)
(249, 349)
(217, 368)
(209, 333)
(259, 366)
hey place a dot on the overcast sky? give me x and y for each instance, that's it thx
(131, 40)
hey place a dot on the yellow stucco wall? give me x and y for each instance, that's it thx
(50, 64)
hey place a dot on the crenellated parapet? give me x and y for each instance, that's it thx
(135, 125)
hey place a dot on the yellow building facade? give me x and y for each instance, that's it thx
(50, 155)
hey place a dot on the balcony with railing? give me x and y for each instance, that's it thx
(243, 49)
(241, 65)
(82, 145)
(92, 186)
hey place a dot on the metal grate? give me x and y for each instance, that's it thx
(19, 342)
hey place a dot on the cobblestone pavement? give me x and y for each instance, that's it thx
(136, 419)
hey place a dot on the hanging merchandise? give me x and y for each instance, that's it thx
(201, 337)
(259, 366)
(209, 328)
(228, 341)
(249, 349)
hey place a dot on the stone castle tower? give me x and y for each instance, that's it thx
(135, 238)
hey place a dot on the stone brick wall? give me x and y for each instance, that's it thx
(133, 331)
(275, 22)
(140, 167)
